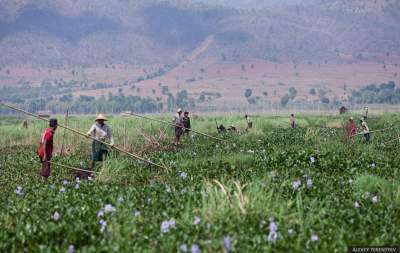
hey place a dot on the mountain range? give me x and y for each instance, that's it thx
(93, 32)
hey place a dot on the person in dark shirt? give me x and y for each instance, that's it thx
(249, 122)
(292, 121)
(186, 122)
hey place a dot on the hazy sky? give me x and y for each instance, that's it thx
(253, 3)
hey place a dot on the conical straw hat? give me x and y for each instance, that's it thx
(100, 117)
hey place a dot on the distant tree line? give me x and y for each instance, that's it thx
(110, 104)
(385, 93)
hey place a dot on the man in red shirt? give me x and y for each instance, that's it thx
(46, 148)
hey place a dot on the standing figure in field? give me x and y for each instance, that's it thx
(186, 122)
(351, 128)
(25, 124)
(365, 129)
(46, 148)
(292, 121)
(178, 122)
(249, 122)
(102, 132)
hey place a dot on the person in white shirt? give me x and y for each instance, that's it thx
(101, 132)
(178, 122)
(365, 129)
(249, 122)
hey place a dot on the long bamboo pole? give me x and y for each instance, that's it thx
(71, 168)
(379, 130)
(89, 137)
(65, 132)
(172, 124)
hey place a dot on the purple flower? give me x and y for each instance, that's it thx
(65, 182)
(375, 199)
(77, 186)
(196, 220)
(272, 236)
(56, 216)
(103, 225)
(100, 213)
(109, 208)
(19, 191)
(183, 247)
(356, 205)
(273, 227)
(366, 195)
(77, 180)
(52, 187)
(183, 175)
(314, 237)
(296, 184)
(195, 248)
(62, 189)
(227, 244)
(167, 225)
(71, 249)
(312, 159)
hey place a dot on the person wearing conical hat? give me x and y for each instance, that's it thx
(101, 132)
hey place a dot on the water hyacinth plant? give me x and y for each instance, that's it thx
(211, 199)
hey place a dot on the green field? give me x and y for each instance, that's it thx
(272, 189)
